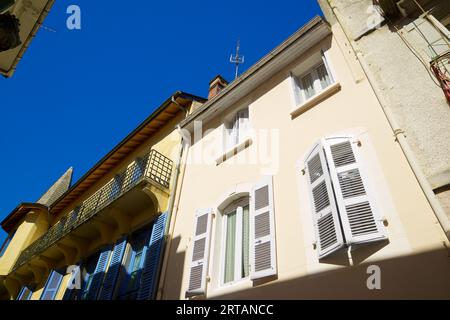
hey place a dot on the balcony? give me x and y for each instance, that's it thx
(154, 169)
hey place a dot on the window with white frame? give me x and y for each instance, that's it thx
(237, 129)
(236, 241)
(312, 77)
(245, 242)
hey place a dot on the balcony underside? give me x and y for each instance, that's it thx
(139, 205)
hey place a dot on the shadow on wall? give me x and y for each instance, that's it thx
(173, 283)
(420, 276)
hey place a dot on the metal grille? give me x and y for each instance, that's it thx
(153, 166)
(160, 169)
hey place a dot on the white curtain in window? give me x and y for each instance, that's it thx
(230, 251)
(245, 242)
(323, 76)
(308, 86)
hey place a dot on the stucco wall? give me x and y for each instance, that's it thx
(353, 110)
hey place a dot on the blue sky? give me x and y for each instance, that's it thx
(76, 94)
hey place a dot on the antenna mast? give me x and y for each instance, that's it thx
(237, 59)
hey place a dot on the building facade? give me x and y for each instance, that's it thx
(102, 238)
(294, 186)
(289, 182)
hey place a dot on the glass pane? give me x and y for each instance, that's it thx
(308, 86)
(243, 125)
(230, 250)
(26, 294)
(324, 77)
(245, 242)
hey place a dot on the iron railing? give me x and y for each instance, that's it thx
(153, 166)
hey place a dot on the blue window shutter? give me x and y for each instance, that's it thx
(25, 293)
(99, 274)
(113, 271)
(52, 285)
(132, 272)
(152, 259)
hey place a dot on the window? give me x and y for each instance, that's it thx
(134, 264)
(88, 272)
(236, 260)
(52, 285)
(313, 82)
(245, 242)
(6, 243)
(238, 128)
(344, 211)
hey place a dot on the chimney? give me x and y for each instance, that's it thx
(216, 85)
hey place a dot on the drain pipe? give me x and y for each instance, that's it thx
(172, 215)
(171, 222)
(399, 134)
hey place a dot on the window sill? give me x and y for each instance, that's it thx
(311, 102)
(234, 150)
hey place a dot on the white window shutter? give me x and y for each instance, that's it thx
(359, 216)
(327, 227)
(262, 231)
(198, 268)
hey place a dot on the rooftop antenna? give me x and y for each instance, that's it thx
(237, 59)
(48, 28)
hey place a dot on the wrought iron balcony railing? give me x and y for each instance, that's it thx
(154, 166)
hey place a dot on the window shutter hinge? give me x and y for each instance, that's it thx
(303, 171)
(357, 142)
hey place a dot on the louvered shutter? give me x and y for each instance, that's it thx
(99, 274)
(198, 267)
(356, 205)
(52, 285)
(153, 256)
(115, 265)
(262, 230)
(327, 226)
(25, 293)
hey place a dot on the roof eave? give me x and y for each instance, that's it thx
(9, 73)
(18, 213)
(160, 109)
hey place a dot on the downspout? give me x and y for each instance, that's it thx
(172, 215)
(399, 136)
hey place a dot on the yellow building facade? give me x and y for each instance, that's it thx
(103, 237)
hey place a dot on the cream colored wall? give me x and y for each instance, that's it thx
(414, 260)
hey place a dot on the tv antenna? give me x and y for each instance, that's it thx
(47, 28)
(237, 59)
